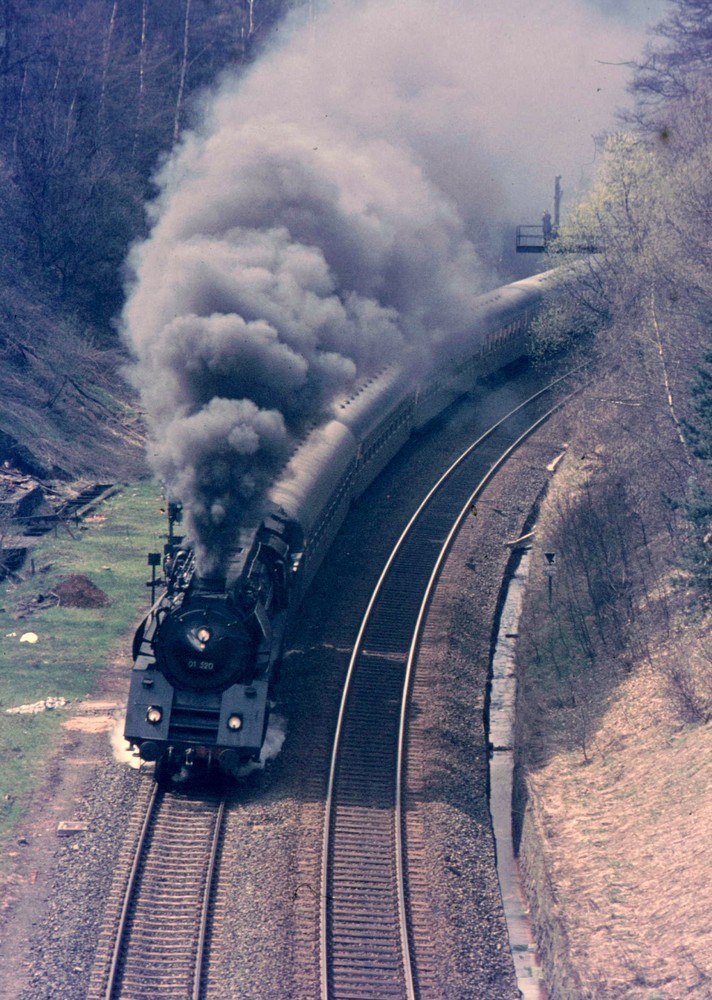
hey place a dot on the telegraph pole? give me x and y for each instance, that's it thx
(550, 569)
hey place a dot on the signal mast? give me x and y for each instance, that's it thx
(536, 239)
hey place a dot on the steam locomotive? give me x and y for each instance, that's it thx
(207, 656)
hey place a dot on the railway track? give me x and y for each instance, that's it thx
(374, 941)
(154, 941)
(374, 923)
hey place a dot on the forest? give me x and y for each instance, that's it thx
(644, 296)
(92, 93)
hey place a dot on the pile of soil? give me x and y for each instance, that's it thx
(77, 591)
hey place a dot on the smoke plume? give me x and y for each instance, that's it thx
(333, 210)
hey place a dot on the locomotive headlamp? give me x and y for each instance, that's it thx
(203, 634)
(154, 715)
(234, 723)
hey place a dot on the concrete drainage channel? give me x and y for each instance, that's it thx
(501, 727)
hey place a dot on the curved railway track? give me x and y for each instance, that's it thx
(374, 942)
(153, 944)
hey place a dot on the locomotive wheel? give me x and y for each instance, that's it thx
(165, 770)
(276, 671)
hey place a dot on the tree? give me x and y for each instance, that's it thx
(92, 93)
(681, 53)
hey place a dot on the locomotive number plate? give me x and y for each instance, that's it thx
(204, 665)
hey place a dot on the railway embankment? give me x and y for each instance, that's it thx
(613, 801)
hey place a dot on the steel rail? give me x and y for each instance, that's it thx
(116, 968)
(329, 804)
(205, 914)
(412, 653)
(123, 917)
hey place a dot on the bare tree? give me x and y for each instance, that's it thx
(107, 57)
(141, 77)
(183, 71)
(681, 50)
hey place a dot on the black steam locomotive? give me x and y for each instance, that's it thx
(207, 656)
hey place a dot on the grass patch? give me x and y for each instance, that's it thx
(74, 644)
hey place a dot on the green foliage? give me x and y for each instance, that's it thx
(624, 217)
(699, 435)
(649, 214)
(561, 325)
(697, 550)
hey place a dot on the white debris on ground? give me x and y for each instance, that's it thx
(37, 706)
(29, 637)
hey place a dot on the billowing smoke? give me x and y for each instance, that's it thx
(328, 214)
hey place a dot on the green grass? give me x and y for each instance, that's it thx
(75, 644)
